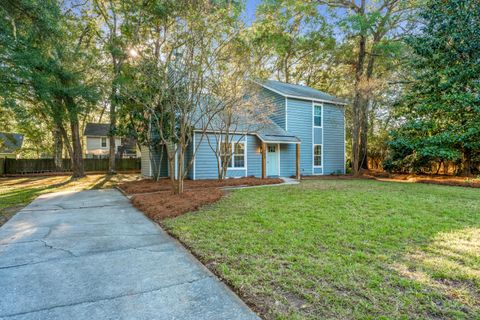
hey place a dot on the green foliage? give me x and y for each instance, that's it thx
(440, 110)
(291, 39)
(47, 56)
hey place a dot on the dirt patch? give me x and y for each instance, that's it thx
(158, 202)
(147, 186)
(430, 179)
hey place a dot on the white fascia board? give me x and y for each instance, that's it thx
(300, 97)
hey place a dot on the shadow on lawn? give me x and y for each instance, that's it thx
(450, 264)
(101, 182)
(20, 196)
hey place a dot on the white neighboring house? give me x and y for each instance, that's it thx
(97, 142)
(10, 145)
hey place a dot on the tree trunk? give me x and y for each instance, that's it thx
(180, 172)
(68, 145)
(113, 122)
(57, 148)
(77, 159)
(467, 163)
(358, 104)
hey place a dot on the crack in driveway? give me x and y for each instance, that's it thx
(110, 298)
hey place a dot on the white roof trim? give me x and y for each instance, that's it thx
(299, 97)
(278, 141)
(248, 134)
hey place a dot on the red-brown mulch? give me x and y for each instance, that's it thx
(146, 186)
(157, 201)
(447, 180)
(158, 206)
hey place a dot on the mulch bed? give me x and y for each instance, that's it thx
(430, 179)
(158, 206)
(157, 201)
(147, 186)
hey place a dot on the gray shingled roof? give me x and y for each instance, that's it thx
(10, 142)
(271, 132)
(266, 130)
(96, 129)
(299, 91)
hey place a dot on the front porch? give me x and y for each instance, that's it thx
(271, 159)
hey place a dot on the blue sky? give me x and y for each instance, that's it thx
(249, 14)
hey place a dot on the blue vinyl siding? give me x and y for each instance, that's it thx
(278, 101)
(288, 165)
(318, 170)
(300, 124)
(333, 140)
(254, 156)
(206, 161)
(235, 173)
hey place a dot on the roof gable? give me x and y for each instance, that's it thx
(96, 129)
(300, 92)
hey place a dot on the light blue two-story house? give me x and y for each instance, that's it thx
(305, 137)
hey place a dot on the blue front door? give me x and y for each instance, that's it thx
(272, 160)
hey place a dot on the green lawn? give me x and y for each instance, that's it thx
(345, 249)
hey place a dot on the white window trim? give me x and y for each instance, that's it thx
(321, 155)
(232, 148)
(321, 114)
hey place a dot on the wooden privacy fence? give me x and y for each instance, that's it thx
(2, 166)
(25, 166)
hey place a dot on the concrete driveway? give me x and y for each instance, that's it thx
(91, 255)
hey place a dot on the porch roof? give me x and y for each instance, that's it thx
(273, 133)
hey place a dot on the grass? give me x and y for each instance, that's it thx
(18, 192)
(345, 249)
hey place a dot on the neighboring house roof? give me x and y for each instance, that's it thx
(300, 92)
(96, 129)
(10, 142)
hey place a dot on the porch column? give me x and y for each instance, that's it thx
(298, 161)
(264, 160)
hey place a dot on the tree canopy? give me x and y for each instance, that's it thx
(439, 113)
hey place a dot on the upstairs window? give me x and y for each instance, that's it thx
(317, 155)
(104, 142)
(317, 115)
